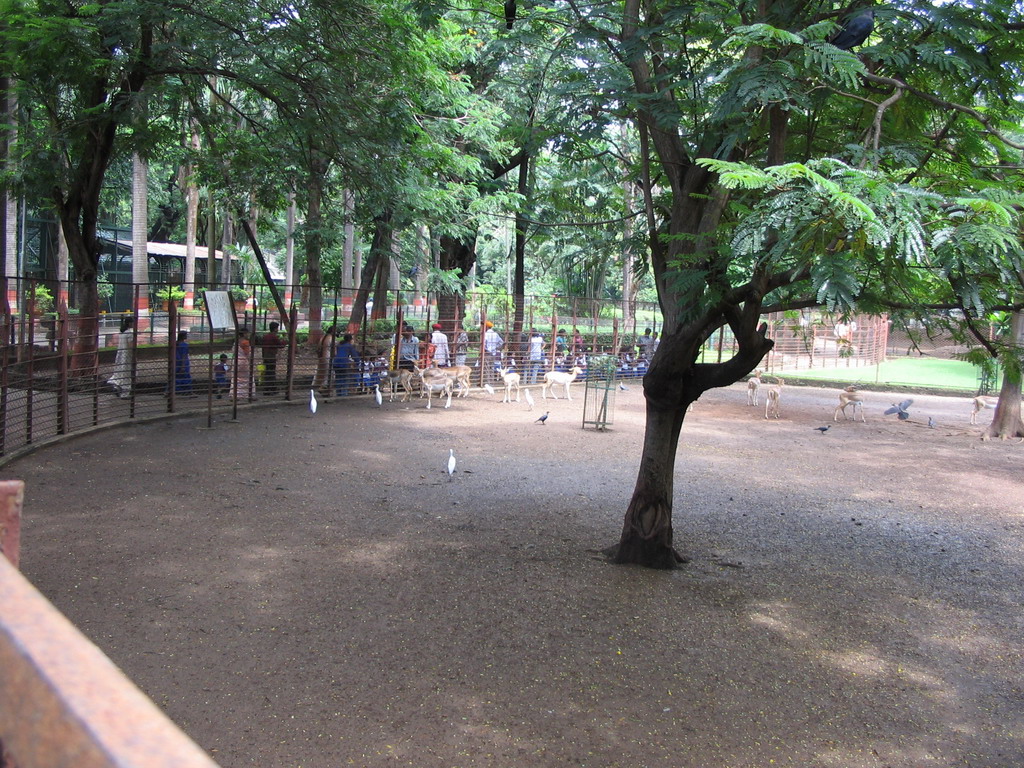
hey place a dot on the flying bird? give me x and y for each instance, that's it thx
(312, 401)
(543, 419)
(377, 395)
(529, 398)
(824, 429)
(451, 463)
(854, 31)
(900, 409)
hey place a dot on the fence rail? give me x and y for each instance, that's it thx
(63, 702)
(63, 372)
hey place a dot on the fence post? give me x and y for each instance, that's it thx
(62, 370)
(30, 391)
(293, 321)
(171, 354)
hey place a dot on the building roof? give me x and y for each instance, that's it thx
(179, 251)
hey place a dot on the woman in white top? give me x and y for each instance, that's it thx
(121, 378)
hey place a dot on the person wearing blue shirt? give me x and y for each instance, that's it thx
(182, 366)
(346, 363)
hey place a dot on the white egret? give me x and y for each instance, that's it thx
(451, 463)
(529, 398)
(377, 395)
(312, 401)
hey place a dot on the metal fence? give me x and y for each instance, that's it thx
(65, 370)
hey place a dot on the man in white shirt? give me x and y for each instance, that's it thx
(492, 347)
(440, 342)
(536, 355)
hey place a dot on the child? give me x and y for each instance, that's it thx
(220, 376)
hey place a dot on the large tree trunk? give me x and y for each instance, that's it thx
(211, 244)
(1007, 422)
(289, 253)
(314, 246)
(374, 268)
(348, 267)
(519, 279)
(191, 222)
(647, 529)
(457, 254)
(140, 227)
(674, 381)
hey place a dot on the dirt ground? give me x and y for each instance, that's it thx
(312, 590)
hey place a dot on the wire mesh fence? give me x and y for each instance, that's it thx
(66, 369)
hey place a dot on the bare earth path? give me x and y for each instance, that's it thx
(300, 590)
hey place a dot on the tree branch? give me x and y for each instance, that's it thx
(894, 83)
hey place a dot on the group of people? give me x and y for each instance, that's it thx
(434, 350)
(344, 361)
(122, 377)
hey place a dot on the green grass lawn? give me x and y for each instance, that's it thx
(910, 372)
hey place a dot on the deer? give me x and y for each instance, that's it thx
(554, 379)
(435, 381)
(981, 402)
(850, 396)
(511, 380)
(399, 378)
(772, 395)
(461, 374)
(753, 385)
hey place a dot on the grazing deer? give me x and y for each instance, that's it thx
(511, 380)
(850, 396)
(980, 404)
(554, 379)
(753, 385)
(772, 396)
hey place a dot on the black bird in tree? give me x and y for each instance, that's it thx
(855, 31)
(510, 13)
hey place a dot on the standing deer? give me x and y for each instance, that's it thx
(511, 380)
(753, 385)
(772, 396)
(554, 379)
(849, 396)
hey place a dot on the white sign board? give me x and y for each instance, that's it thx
(220, 309)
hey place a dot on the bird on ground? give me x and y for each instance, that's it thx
(931, 423)
(451, 463)
(529, 398)
(824, 429)
(900, 409)
(854, 31)
(377, 395)
(543, 419)
(488, 389)
(312, 401)
(623, 387)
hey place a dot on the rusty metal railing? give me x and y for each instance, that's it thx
(62, 701)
